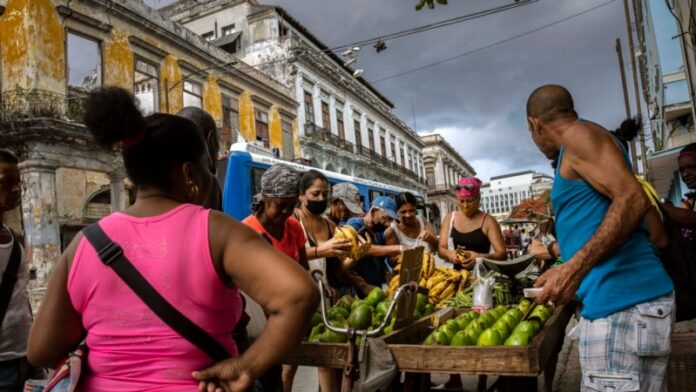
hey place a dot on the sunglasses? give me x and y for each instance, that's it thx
(468, 187)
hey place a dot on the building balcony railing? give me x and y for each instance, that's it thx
(348, 146)
(24, 104)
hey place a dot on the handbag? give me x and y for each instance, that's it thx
(67, 375)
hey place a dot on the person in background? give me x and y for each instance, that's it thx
(322, 248)
(685, 214)
(411, 229)
(470, 229)
(345, 203)
(627, 131)
(206, 124)
(196, 258)
(274, 221)
(609, 264)
(372, 267)
(524, 239)
(15, 320)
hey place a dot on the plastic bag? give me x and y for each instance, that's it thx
(483, 289)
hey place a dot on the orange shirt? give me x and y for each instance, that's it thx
(293, 236)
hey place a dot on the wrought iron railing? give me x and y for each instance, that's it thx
(23, 104)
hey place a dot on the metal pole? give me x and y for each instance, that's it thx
(631, 146)
(639, 106)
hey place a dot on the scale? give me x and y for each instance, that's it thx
(509, 269)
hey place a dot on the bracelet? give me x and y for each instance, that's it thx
(316, 250)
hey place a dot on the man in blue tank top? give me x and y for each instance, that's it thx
(610, 265)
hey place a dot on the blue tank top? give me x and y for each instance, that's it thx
(632, 275)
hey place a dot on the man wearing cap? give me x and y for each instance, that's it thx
(345, 203)
(372, 267)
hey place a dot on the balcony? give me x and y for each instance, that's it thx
(27, 104)
(348, 146)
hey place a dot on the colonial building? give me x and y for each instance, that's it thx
(345, 124)
(52, 52)
(666, 59)
(502, 193)
(443, 168)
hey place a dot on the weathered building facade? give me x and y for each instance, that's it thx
(52, 52)
(345, 124)
(443, 169)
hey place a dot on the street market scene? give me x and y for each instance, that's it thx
(299, 195)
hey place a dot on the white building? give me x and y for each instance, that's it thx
(345, 124)
(503, 193)
(443, 168)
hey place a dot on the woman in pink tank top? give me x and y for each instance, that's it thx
(197, 259)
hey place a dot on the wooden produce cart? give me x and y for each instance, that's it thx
(531, 360)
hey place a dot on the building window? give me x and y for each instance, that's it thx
(192, 94)
(371, 138)
(339, 125)
(84, 62)
(326, 121)
(146, 86)
(309, 108)
(393, 150)
(262, 127)
(230, 121)
(430, 176)
(383, 146)
(209, 36)
(282, 30)
(288, 146)
(227, 30)
(401, 154)
(358, 135)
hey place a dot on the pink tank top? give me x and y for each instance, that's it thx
(130, 348)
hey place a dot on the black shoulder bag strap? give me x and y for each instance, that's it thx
(9, 278)
(112, 255)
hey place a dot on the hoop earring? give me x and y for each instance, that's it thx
(193, 191)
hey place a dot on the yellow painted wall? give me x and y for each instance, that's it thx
(212, 100)
(170, 74)
(118, 60)
(33, 46)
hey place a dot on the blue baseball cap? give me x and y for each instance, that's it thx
(387, 204)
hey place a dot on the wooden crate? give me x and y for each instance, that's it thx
(529, 360)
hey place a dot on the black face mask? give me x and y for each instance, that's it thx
(378, 228)
(317, 207)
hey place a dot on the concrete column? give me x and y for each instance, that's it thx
(40, 217)
(333, 121)
(316, 100)
(118, 190)
(299, 95)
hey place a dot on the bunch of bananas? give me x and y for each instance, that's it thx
(427, 269)
(444, 283)
(359, 246)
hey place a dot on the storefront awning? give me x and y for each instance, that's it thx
(663, 164)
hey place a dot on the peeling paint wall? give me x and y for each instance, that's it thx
(32, 45)
(73, 186)
(170, 74)
(118, 57)
(212, 99)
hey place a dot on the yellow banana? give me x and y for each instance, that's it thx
(447, 292)
(437, 289)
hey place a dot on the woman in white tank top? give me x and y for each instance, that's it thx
(412, 230)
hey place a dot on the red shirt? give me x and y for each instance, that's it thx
(293, 236)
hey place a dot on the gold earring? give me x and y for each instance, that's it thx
(193, 191)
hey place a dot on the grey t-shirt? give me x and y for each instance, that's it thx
(18, 319)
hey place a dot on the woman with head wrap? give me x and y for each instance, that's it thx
(470, 229)
(272, 218)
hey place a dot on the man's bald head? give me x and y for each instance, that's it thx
(550, 102)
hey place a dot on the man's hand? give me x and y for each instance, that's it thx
(559, 283)
(228, 376)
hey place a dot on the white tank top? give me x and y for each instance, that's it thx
(407, 241)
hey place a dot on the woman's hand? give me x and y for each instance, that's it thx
(428, 237)
(228, 376)
(334, 247)
(469, 261)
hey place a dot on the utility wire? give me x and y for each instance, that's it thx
(490, 45)
(432, 26)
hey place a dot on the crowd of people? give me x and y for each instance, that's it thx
(201, 260)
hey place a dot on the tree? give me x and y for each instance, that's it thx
(431, 4)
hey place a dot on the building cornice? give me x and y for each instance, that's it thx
(70, 13)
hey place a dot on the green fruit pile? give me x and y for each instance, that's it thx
(495, 327)
(366, 314)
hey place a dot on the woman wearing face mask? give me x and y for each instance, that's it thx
(322, 248)
(470, 229)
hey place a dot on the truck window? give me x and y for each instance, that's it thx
(255, 176)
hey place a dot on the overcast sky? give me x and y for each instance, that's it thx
(477, 101)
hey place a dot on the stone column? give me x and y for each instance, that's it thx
(41, 228)
(316, 101)
(118, 190)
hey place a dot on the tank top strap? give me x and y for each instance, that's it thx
(485, 214)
